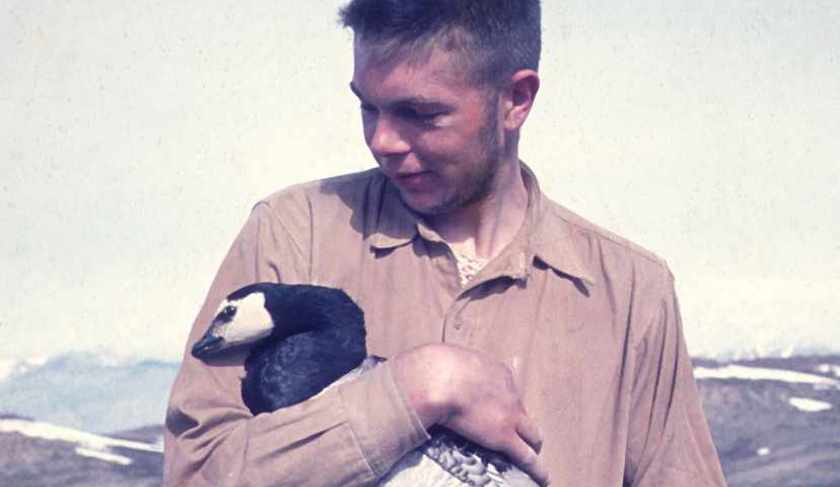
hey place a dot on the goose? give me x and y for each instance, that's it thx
(321, 343)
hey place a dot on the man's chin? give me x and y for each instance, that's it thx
(428, 207)
(424, 208)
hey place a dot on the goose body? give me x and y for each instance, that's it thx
(320, 342)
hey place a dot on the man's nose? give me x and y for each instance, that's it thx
(385, 138)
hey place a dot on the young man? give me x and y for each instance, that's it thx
(504, 316)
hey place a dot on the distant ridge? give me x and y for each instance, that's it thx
(90, 392)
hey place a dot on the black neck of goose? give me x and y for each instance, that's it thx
(316, 309)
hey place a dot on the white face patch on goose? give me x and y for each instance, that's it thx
(250, 321)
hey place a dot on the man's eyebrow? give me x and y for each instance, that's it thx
(409, 100)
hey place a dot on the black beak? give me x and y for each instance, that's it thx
(208, 345)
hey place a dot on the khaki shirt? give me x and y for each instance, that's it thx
(587, 321)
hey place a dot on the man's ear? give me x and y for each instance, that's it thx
(519, 97)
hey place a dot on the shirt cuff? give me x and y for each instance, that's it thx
(385, 426)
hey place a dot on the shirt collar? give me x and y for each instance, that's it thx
(547, 236)
(396, 225)
(552, 243)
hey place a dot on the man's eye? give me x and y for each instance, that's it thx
(367, 108)
(415, 115)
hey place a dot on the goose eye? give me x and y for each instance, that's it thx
(228, 312)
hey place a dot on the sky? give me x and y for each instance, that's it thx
(136, 136)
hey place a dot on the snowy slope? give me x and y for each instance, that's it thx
(775, 421)
(88, 444)
(39, 454)
(743, 372)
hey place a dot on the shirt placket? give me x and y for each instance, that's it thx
(462, 317)
(456, 326)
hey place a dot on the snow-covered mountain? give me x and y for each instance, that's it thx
(88, 391)
(10, 367)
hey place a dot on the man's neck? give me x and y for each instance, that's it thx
(486, 227)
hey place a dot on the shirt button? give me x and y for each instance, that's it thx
(458, 324)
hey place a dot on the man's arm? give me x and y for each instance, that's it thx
(669, 440)
(339, 438)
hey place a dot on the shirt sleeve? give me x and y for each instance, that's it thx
(350, 435)
(669, 439)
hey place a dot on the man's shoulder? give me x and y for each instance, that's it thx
(340, 193)
(299, 208)
(600, 247)
(322, 190)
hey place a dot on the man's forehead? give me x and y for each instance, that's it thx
(374, 61)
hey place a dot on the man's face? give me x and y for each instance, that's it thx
(434, 135)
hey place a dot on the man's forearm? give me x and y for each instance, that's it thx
(339, 438)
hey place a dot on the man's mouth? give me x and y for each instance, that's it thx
(421, 180)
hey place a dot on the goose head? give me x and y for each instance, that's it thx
(243, 318)
(257, 311)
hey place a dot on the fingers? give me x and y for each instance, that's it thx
(530, 433)
(527, 459)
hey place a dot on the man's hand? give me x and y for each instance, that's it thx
(474, 396)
